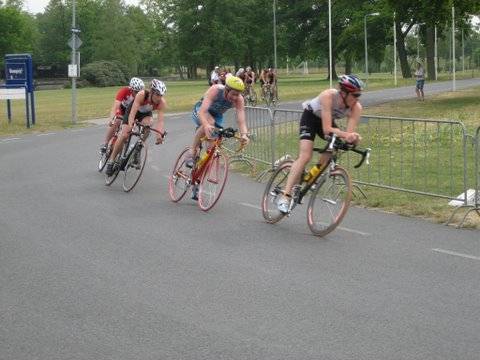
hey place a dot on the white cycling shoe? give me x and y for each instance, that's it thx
(283, 205)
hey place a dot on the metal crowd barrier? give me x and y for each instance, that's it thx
(422, 156)
(473, 205)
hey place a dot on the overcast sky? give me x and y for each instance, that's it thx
(36, 6)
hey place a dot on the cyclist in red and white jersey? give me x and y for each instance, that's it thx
(122, 101)
(146, 101)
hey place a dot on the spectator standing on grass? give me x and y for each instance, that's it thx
(419, 80)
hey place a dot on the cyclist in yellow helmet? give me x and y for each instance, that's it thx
(208, 112)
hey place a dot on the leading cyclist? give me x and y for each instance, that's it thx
(318, 118)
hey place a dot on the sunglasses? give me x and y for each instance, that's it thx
(356, 95)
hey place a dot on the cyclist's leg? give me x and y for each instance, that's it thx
(113, 125)
(199, 133)
(122, 137)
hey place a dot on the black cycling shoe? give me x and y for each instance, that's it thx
(103, 149)
(195, 192)
(110, 168)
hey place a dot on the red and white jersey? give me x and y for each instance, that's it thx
(126, 96)
(148, 106)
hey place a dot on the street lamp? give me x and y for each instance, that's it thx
(274, 35)
(365, 31)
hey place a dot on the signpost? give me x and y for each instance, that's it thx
(19, 84)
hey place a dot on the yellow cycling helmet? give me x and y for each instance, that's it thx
(234, 83)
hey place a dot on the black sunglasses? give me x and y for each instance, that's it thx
(357, 95)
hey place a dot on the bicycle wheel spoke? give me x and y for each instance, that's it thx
(134, 167)
(213, 182)
(179, 180)
(329, 203)
(272, 193)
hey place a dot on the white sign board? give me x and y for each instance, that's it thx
(12, 94)
(72, 70)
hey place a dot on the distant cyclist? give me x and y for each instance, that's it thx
(318, 118)
(123, 100)
(208, 112)
(146, 101)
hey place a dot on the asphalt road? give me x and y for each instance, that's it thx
(90, 272)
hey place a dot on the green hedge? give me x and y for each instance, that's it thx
(105, 73)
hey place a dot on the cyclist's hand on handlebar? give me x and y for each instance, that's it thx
(244, 139)
(208, 130)
(353, 138)
(160, 138)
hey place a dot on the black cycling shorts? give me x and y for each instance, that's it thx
(311, 125)
(140, 116)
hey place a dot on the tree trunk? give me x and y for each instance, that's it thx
(431, 52)
(348, 65)
(402, 52)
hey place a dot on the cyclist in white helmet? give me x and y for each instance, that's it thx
(141, 109)
(122, 101)
(318, 118)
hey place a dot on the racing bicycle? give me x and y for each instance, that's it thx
(329, 187)
(131, 160)
(208, 176)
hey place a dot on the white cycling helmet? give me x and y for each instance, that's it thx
(158, 86)
(136, 84)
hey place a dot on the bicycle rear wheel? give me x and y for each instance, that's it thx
(213, 181)
(134, 166)
(179, 180)
(273, 192)
(103, 161)
(329, 202)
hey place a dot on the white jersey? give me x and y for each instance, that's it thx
(338, 112)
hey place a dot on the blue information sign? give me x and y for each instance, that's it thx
(19, 73)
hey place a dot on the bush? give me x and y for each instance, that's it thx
(105, 73)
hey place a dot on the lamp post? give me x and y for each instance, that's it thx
(366, 47)
(274, 35)
(394, 50)
(454, 86)
(330, 72)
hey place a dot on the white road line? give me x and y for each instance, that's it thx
(46, 134)
(454, 253)
(340, 227)
(354, 231)
(10, 139)
(251, 206)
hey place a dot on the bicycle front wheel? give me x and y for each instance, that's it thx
(213, 181)
(179, 180)
(134, 167)
(103, 160)
(273, 192)
(110, 179)
(329, 201)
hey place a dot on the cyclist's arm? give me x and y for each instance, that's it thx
(160, 126)
(241, 119)
(135, 106)
(352, 123)
(115, 108)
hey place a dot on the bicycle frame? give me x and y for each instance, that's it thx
(332, 149)
(197, 172)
